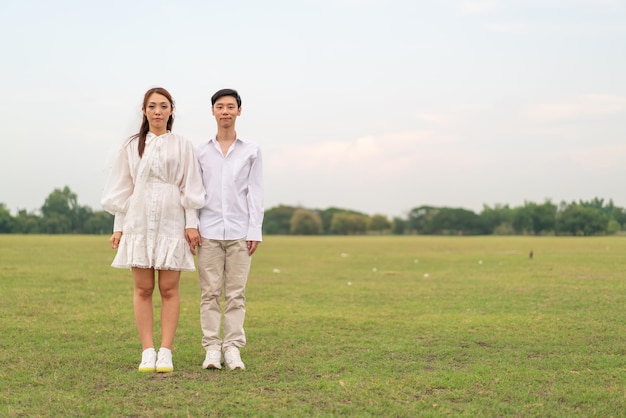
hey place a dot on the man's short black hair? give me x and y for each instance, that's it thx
(226, 92)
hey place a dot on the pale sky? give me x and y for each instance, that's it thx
(378, 106)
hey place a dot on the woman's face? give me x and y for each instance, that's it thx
(158, 111)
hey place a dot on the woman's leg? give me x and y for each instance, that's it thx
(142, 303)
(170, 305)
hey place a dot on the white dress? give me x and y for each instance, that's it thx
(154, 199)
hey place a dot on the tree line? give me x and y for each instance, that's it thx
(582, 218)
(61, 214)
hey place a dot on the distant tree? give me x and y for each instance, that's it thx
(82, 215)
(277, 221)
(431, 220)
(60, 201)
(328, 214)
(348, 224)
(99, 222)
(378, 223)
(358, 223)
(505, 228)
(577, 219)
(613, 227)
(497, 220)
(419, 218)
(339, 224)
(398, 226)
(544, 218)
(596, 203)
(56, 224)
(455, 221)
(522, 220)
(6, 220)
(60, 212)
(306, 222)
(327, 217)
(619, 215)
(27, 223)
(535, 219)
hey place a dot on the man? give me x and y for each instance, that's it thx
(230, 228)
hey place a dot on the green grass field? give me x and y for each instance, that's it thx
(336, 326)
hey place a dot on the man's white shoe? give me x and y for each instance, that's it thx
(164, 361)
(148, 360)
(232, 358)
(213, 360)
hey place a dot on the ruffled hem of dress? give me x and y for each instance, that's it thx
(128, 266)
(168, 254)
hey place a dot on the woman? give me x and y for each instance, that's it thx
(154, 191)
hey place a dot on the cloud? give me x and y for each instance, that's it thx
(599, 158)
(507, 27)
(386, 157)
(578, 107)
(477, 6)
(432, 117)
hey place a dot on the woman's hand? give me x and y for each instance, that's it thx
(115, 239)
(193, 239)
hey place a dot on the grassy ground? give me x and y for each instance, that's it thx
(336, 326)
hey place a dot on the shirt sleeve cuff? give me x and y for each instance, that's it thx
(118, 222)
(191, 218)
(254, 234)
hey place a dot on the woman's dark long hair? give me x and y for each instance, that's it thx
(145, 127)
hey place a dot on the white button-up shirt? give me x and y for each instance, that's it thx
(234, 190)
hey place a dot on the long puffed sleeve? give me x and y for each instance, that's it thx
(192, 193)
(118, 189)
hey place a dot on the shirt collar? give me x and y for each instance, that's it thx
(151, 135)
(214, 140)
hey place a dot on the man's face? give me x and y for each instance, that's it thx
(226, 111)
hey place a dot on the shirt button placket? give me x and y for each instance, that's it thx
(226, 174)
(153, 204)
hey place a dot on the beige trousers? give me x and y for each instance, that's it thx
(223, 267)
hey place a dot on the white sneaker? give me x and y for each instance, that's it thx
(164, 361)
(213, 360)
(232, 358)
(148, 360)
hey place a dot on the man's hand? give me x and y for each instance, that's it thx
(193, 239)
(252, 245)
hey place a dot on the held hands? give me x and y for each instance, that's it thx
(193, 239)
(115, 239)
